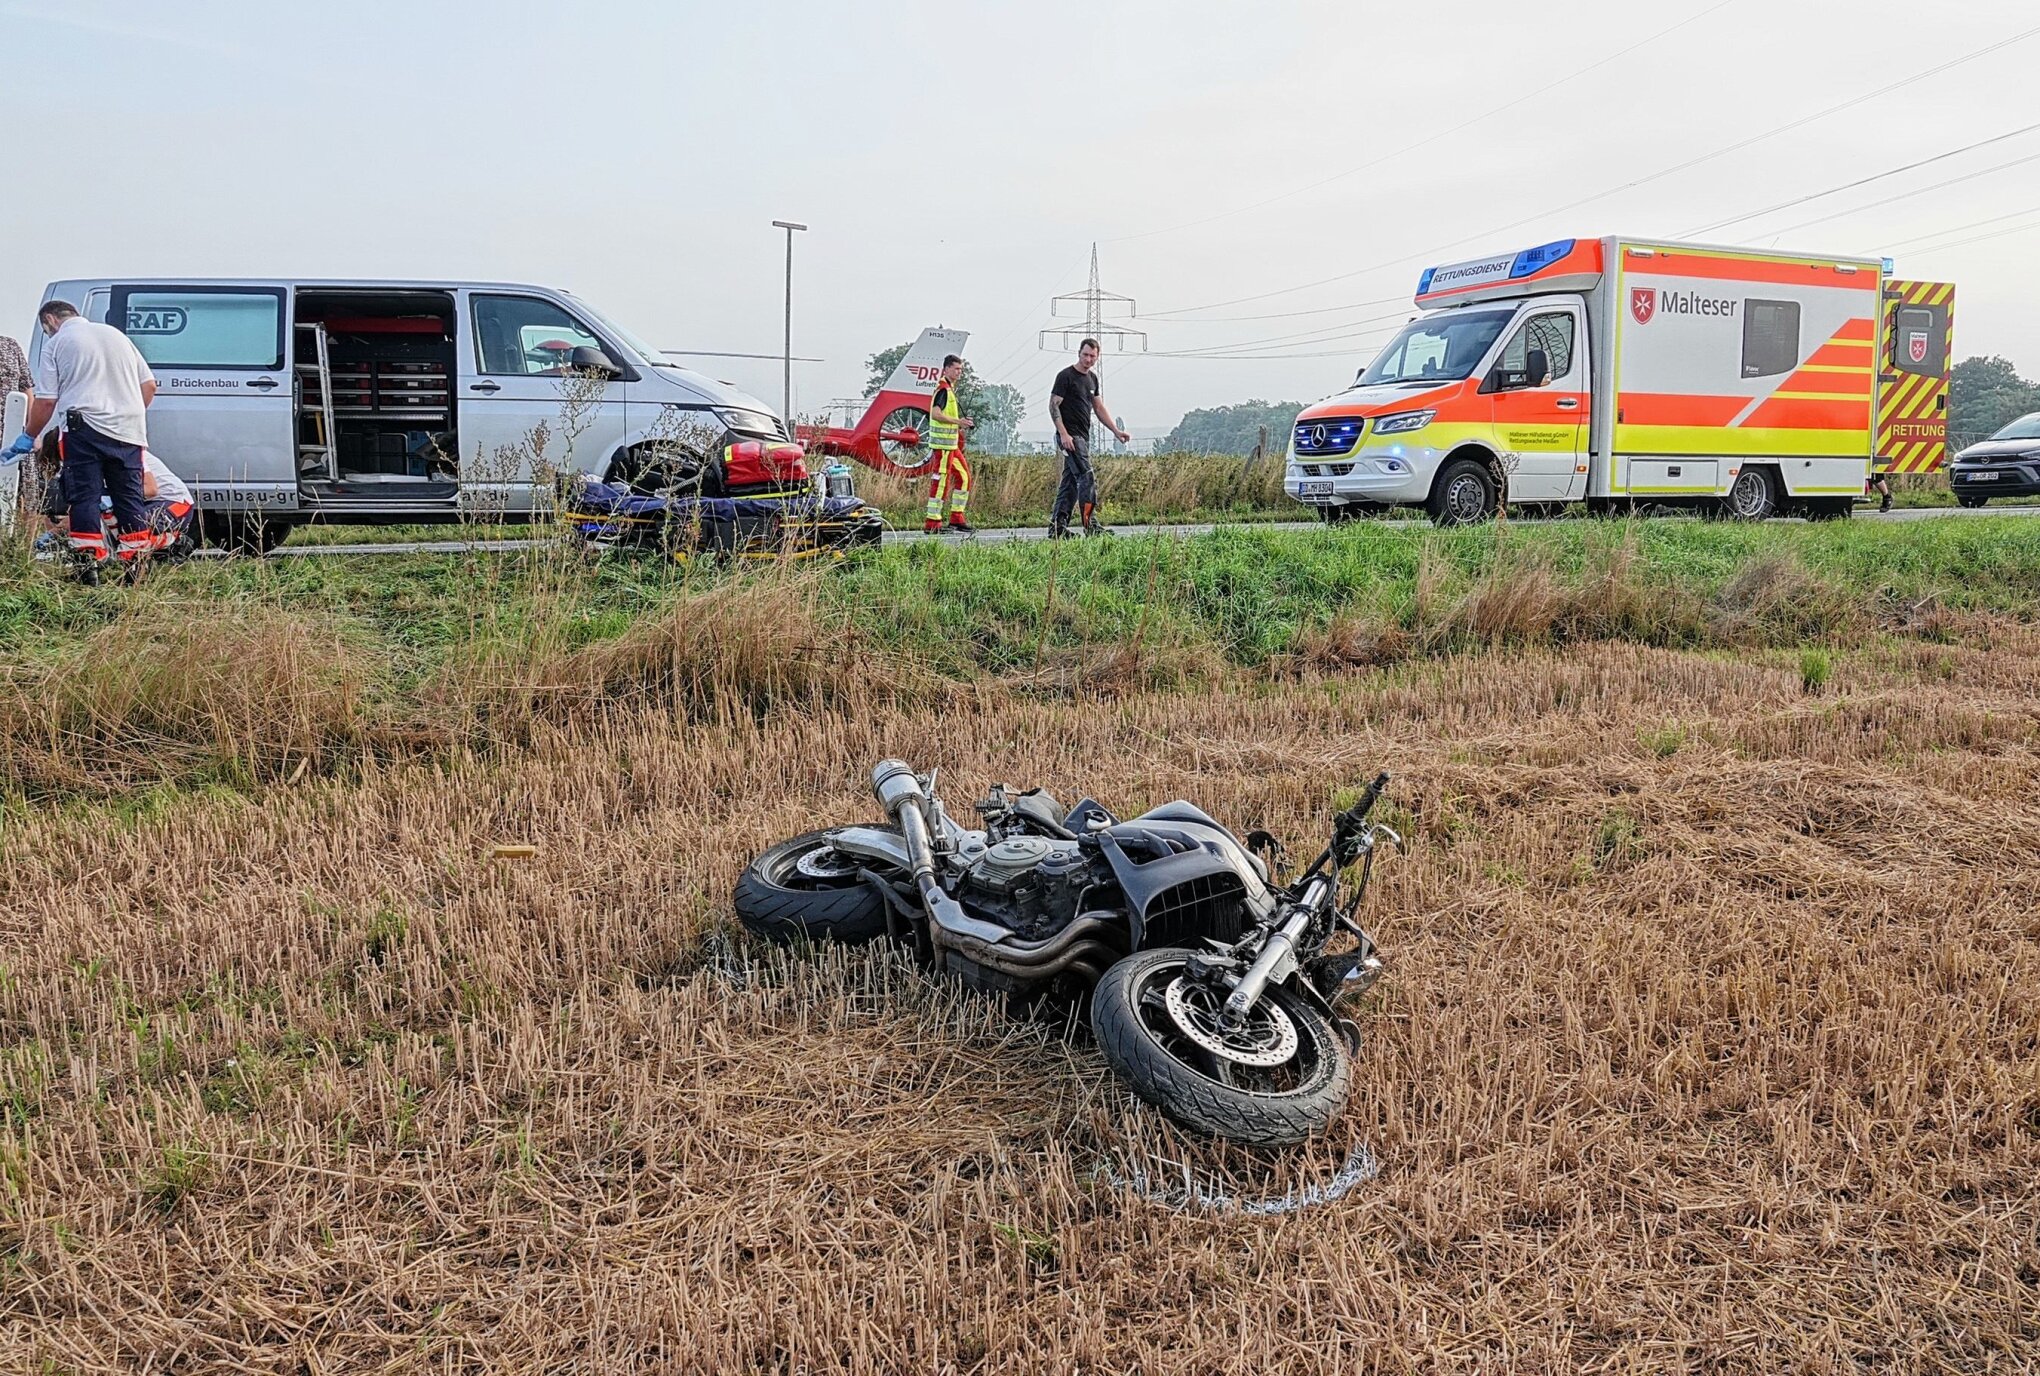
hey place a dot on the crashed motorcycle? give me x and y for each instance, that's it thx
(755, 500)
(1213, 992)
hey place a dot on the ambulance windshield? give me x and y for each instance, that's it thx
(1437, 348)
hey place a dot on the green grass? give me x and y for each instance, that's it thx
(1246, 593)
(223, 677)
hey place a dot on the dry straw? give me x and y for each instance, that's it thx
(1708, 1042)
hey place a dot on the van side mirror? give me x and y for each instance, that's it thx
(1508, 380)
(586, 358)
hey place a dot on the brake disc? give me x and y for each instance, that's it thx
(826, 862)
(1266, 1038)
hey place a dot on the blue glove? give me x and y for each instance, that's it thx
(14, 453)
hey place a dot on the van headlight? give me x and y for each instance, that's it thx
(750, 422)
(1404, 423)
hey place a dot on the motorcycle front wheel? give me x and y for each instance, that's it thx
(806, 888)
(1274, 1081)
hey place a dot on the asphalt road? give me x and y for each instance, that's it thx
(995, 536)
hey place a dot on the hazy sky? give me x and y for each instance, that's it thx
(636, 153)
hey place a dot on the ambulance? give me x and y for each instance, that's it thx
(1625, 372)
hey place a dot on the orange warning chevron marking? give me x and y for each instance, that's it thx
(1912, 407)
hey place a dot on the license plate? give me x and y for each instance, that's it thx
(1309, 490)
(1985, 477)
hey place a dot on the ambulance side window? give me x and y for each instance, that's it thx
(1770, 338)
(1550, 335)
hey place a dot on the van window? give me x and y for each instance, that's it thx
(1770, 338)
(1553, 333)
(524, 336)
(190, 328)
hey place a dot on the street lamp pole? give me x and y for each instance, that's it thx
(787, 376)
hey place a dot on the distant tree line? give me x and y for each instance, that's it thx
(1234, 429)
(1985, 393)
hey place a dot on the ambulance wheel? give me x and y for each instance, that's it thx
(1464, 494)
(1753, 496)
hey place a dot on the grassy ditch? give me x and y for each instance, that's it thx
(235, 673)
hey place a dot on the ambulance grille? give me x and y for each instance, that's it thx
(1320, 437)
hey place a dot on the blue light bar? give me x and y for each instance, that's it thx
(1534, 260)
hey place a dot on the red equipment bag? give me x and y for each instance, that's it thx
(755, 463)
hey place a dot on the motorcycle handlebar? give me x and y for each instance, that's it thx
(1346, 830)
(1356, 814)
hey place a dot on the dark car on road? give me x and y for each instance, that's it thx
(2005, 465)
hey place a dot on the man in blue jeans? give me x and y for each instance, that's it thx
(99, 390)
(1071, 403)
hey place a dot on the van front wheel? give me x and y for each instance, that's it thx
(1464, 494)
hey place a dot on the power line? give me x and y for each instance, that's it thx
(1659, 175)
(1006, 359)
(1905, 195)
(1258, 358)
(1979, 238)
(1433, 138)
(1318, 336)
(1862, 181)
(1957, 229)
(1288, 315)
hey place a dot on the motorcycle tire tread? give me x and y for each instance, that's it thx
(850, 916)
(1201, 1104)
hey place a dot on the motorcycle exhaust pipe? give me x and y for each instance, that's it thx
(898, 790)
(1084, 937)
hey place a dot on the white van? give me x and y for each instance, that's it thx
(366, 402)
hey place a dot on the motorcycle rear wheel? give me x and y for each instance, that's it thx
(1280, 1079)
(801, 888)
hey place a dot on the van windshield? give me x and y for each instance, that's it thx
(1438, 348)
(645, 352)
(2024, 428)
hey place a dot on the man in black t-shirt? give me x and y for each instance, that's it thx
(1071, 403)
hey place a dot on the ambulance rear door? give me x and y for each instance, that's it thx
(1912, 376)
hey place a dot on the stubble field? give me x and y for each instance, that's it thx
(1708, 1041)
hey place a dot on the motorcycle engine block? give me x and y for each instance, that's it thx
(1030, 884)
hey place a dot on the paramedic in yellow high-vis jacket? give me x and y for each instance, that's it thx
(950, 476)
